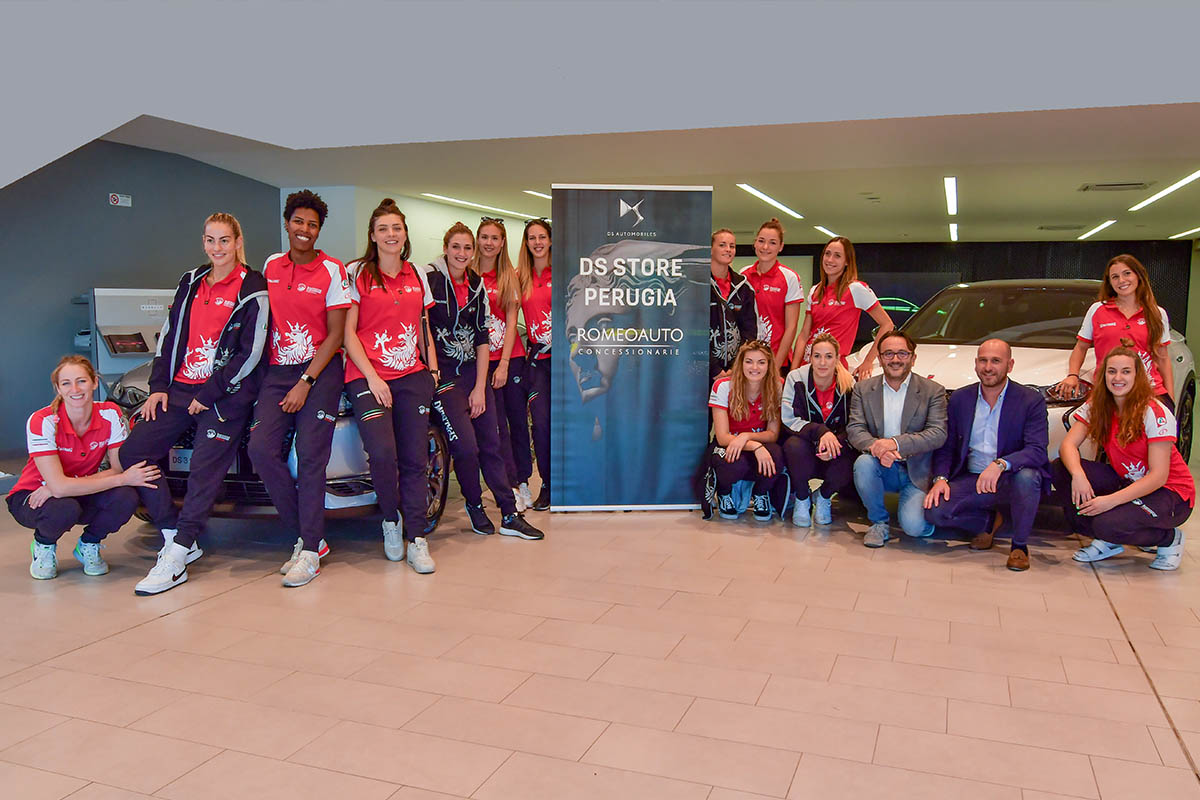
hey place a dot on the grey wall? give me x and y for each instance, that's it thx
(59, 237)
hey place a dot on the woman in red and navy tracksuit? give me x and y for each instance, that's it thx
(835, 305)
(533, 267)
(390, 387)
(464, 400)
(731, 312)
(746, 410)
(206, 372)
(302, 387)
(506, 351)
(816, 405)
(62, 485)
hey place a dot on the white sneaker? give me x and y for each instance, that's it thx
(1098, 550)
(322, 551)
(1169, 556)
(526, 495)
(168, 572)
(393, 541)
(519, 500)
(802, 512)
(418, 556)
(194, 552)
(822, 509)
(305, 567)
(88, 554)
(45, 560)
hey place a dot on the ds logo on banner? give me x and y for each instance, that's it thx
(625, 208)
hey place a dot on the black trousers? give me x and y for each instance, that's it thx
(745, 468)
(1149, 521)
(512, 420)
(397, 444)
(800, 453)
(474, 443)
(300, 501)
(539, 412)
(101, 513)
(218, 434)
(967, 510)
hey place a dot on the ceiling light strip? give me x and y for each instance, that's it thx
(954, 231)
(537, 194)
(1185, 234)
(481, 206)
(771, 201)
(951, 184)
(826, 231)
(1096, 229)
(1176, 185)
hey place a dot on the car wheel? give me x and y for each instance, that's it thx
(1183, 415)
(437, 474)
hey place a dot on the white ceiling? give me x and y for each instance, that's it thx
(1016, 171)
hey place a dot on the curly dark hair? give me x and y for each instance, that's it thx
(305, 199)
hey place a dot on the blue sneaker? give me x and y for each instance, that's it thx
(822, 509)
(762, 507)
(802, 512)
(726, 507)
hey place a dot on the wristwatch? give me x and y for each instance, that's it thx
(309, 379)
(1001, 463)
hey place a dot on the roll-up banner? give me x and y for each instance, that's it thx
(629, 380)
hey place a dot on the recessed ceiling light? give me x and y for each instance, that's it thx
(1184, 234)
(1096, 229)
(745, 187)
(1176, 185)
(469, 204)
(537, 194)
(826, 231)
(954, 231)
(951, 184)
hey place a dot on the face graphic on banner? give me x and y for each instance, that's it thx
(595, 365)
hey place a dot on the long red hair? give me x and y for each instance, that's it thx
(1103, 406)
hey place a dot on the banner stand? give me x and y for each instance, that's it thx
(629, 376)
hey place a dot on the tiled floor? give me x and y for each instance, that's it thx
(647, 655)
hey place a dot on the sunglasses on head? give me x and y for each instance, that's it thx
(496, 220)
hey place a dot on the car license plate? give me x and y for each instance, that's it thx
(180, 460)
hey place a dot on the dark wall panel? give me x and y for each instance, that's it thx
(59, 238)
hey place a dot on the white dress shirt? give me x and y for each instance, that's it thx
(893, 407)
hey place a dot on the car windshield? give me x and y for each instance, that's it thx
(1029, 316)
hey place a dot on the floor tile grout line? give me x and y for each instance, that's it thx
(1187, 754)
(220, 751)
(490, 775)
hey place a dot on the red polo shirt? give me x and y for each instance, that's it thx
(1104, 326)
(211, 309)
(300, 295)
(838, 316)
(49, 432)
(719, 398)
(1132, 462)
(497, 321)
(774, 290)
(389, 321)
(537, 312)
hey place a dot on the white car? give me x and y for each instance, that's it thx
(1040, 319)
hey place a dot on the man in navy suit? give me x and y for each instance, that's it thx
(994, 455)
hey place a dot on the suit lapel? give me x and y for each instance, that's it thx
(911, 398)
(1008, 413)
(875, 401)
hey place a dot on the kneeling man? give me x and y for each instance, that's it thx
(994, 455)
(897, 420)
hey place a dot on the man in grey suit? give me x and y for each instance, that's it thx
(896, 420)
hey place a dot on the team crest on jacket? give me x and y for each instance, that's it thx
(198, 361)
(295, 346)
(459, 343)
(540, 330)
(725, 346)
(1134, 471)
(402, 354)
